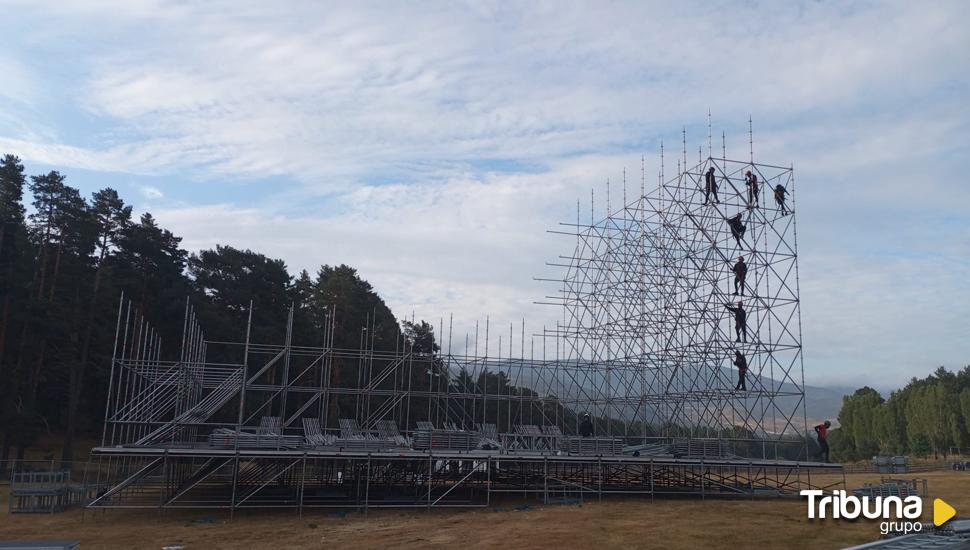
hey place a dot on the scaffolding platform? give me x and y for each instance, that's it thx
(257, 478)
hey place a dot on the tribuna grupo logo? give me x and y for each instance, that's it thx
(899, 515)
(904, 512)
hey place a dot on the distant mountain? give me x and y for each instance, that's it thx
(823, 403)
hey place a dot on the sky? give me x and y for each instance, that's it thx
(432, 145)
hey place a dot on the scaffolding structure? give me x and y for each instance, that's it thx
(644, 347)
(645, 329)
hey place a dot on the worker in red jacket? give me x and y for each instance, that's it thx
(821, 431)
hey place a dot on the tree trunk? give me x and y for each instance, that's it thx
(57, 268)
(5, 454)
(8, 286)
(73, 389)
(18, 369)
(77, 375)
(18, 374)
(35, 378)
(41, 271)
(4, 319)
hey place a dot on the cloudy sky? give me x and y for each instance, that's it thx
(432, 147)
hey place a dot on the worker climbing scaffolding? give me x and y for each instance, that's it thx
(740, 321)
(780, 193)
(751, 180)
(737, 228)
(742, 364)
(740, 270)
(710, 185)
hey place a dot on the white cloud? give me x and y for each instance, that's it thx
(151, 193)
(18, 85)
(323, 95)
(483, 123)
(57, 154)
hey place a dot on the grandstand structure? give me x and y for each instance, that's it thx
(644, 346)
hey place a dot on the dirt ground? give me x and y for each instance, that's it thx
(612, 523)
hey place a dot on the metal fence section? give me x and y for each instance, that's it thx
(47, 491)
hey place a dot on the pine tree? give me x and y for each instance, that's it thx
(12, 241)
(231, 279)
(965, 411)
(62, 230)
(110, 217)
(15, 262)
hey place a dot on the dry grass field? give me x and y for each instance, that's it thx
(612, 523)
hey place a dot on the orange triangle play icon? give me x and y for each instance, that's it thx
(942, 512)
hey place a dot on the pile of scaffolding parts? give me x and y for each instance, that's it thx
(889, 487)
(890, 464)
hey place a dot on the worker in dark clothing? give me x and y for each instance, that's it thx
(742, 364)
(737, 228)
(586, 426)
(710, 185)
(740, 322)
(740, 270)
(751, 181)
(822, 431)
(780, 193)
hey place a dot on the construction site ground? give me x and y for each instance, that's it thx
(611, 523)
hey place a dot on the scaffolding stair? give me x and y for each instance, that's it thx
(201, 412)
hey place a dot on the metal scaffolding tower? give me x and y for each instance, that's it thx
(645, 346)
(646, 333)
